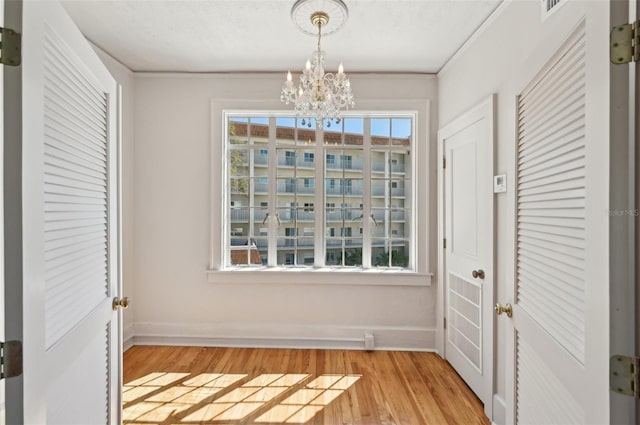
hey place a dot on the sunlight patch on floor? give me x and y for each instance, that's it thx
(183, 398)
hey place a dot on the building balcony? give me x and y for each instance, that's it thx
(287, 215)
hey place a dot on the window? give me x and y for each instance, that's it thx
(347, 161)
(289, 158)
(364, 171)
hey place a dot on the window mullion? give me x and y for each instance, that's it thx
(319, 210)
(252, 199)
(366, 196)
(272, 251)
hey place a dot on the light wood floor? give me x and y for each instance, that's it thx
(194, 385)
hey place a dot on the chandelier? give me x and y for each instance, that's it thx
(318, 95)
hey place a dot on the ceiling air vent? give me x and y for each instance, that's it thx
(550, 6)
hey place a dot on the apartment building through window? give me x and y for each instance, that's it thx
(358, 171)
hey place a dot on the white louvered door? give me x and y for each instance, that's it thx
(560, 300)
(69, 241)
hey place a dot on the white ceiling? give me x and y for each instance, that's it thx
(258, 35)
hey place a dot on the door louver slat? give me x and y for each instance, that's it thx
(543, 399)
(74, 146)
(75, 193)
(92, 95)
(551, 199)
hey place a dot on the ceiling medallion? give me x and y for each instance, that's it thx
(318, 94)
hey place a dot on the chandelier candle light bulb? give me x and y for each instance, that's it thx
(318, 95)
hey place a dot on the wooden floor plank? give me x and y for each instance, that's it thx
(198, 385)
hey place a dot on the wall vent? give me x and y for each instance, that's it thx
(550, 6)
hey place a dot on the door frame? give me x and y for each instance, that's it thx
(624, 229)
(2, 321)
(486, 109)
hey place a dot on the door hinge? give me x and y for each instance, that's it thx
(10, 47)
(625, 43)
(444, 243)
(10, 359)
(444, 162)
(624, 375)
(444, 322)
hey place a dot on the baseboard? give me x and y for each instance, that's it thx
(128, 333)
(499, 410)
(283, 336)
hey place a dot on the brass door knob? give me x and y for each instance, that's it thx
(120, 302)
(478, 274)
(499, 308)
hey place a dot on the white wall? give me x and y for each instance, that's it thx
(174, 300)
(125, 78)
(494, 61)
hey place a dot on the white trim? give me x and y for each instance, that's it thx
(477, 33)
(222, 261)
(235, 75)
(284, 336)
(499, 410)
(324, 276)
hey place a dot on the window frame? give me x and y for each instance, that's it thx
(423, 217)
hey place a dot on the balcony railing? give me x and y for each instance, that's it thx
(340, 215)
(290, 214)
(355, 164)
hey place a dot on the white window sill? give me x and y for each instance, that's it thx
(319, 276)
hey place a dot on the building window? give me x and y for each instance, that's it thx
(289, 158)
(364, 165)
(347, 161)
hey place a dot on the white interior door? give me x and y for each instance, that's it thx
(560, 317)
(64, 224)
(467, 144)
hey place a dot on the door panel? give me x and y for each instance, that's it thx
(467, 145)
(69, 221)
(550, 265)
(559, 339)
